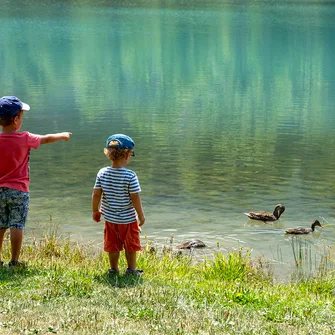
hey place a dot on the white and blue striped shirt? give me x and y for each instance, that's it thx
(117, 184)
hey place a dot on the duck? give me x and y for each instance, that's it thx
(300, 230)
(266, 216)
(192, 244)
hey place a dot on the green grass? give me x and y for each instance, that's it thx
(65, 289)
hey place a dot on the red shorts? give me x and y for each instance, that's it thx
(119, 236)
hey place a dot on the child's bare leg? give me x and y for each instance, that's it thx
(131, 260)
(16, 236)
(114, 260)
(2, 234)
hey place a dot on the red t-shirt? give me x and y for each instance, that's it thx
(14, 159)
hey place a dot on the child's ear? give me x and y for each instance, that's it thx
(16, 119)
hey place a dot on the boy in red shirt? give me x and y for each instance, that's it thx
(14, 171)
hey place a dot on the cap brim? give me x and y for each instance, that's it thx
(25, 107)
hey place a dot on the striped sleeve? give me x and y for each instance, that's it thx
(134, 185)
(97, 181)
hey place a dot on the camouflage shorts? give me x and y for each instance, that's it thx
(14, 207)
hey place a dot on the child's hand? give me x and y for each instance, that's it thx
(66, 136)
(96, 216)
(142, 220)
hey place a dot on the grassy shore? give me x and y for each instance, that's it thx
(65, 289)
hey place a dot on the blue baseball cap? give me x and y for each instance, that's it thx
(10, 106)
(125, 142)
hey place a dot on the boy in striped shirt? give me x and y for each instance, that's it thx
(116, 190)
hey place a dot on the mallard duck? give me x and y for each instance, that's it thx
(299, 231)
(266, 216)
(192, 244)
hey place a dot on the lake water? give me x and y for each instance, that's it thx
(231, 105)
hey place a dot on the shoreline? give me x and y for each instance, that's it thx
(65, 289)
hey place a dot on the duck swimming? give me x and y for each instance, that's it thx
(300, 231)
(266, 216)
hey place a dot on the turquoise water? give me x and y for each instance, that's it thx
(231, 106)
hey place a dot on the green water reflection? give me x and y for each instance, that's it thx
(231, 106)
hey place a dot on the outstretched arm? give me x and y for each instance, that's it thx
(137, 203)
(51, 138)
